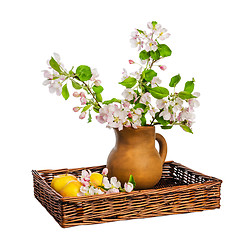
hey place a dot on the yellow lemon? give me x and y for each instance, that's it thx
(71, 189)
(60, 181)
(96, 179)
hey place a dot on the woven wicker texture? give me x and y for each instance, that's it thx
(180, 190)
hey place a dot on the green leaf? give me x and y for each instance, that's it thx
(189, 86)
(154, 23)
(155, 55)
(186, 128)
(175, 80)
(86, 107)
(112, 101)
(65, 92)
(143, 55)
(159, 92)
(185, 95)
(149, 74)
(71, 71)
(95, 109)
(140, 31)
(129, 82)
(120, 189)
(166, 127)
(137, 92)
(76, 85)
(89, 117)
(162, 121)
(84, 72)
(53, 63)
(99, 97)
(140, 105)
(131, 180)
(164, 50)
(97, 89)
(143, 120)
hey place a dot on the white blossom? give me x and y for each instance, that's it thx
(129, 94)
(128, 187)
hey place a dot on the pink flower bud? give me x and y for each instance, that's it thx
(76, 94)
(130, 115)
(105, 171)
(82, 115)
(76, 109)
(82, 95)
(131, 61)
(163, 67)
(97, 83)
(83, 100)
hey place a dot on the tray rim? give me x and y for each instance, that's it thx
(211, 182)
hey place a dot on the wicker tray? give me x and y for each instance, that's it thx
(180, 190)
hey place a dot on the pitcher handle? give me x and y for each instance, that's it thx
(162, 146)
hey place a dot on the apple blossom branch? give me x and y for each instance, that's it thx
(141, 88)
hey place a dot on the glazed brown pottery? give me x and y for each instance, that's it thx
(135, 153)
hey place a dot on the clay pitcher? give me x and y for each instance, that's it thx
(135, 153)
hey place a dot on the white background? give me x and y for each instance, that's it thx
(40, 130)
